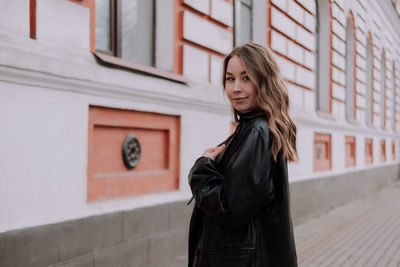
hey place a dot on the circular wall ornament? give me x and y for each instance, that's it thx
(131, 151)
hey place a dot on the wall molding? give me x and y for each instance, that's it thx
(190, 100)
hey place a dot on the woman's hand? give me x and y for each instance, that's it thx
(213, 152)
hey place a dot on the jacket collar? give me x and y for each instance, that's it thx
(243, 117)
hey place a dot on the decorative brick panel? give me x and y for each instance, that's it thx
(350, 151)
(206, 27)
(195, 63)
(158, 168)
(369, 152)
(322, 152)
(383, 151)
(206, 34)
(291, 28)
(201, 5)
(222, 11)
(393, 150)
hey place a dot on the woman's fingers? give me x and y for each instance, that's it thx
(213, 152)
(219, 149)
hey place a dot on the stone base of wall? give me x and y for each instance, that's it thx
(157, 236)
(147, 237)
(313, 197)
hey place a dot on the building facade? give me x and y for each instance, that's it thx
(106, 104)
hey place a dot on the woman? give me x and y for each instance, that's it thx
(241, 215)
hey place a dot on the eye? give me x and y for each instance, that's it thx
(229, 78)
(246, 78)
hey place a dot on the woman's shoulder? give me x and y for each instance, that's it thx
(258, 124)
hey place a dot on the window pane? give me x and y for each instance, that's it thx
(368, 108)
(323, 51)
(137, 31)
(245, 24)
(242, 23)
(349, 70)
(102, 31)
(247, 2)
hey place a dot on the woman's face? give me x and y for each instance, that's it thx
(241, 91)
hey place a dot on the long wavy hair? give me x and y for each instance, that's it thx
(272, 99)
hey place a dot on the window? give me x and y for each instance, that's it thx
(243, 22)
(394, 94)
(125, 29)
(350, 69)
(369, 82)
(383, 90)
(323, 31)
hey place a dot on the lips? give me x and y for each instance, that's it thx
(239, 99)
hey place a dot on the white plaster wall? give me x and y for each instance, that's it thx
(43, 159)
(62, 22)
(46, 88)
(14, 17)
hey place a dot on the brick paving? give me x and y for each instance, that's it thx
(363, 233)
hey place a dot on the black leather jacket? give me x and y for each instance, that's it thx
(241, 215)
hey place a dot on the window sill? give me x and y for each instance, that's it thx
(352, 121)
(118, 62)
(326, 115)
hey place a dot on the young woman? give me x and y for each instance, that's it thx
(242, 215)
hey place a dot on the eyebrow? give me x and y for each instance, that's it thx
(243, 72)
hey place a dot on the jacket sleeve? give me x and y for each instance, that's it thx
(235, 198)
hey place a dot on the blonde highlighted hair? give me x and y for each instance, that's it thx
(272, 99)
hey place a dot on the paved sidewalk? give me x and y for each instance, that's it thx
(363, 233)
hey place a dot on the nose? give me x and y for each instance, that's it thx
(236, 86)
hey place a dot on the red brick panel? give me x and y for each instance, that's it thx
(201, 35)
(291, 35)
(322, 152)
(158, 168)
(369, 155)
(393, 151)
(383, 151)
(350, 151)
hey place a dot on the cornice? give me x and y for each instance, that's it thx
(189, 101)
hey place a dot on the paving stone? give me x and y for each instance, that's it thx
(130, 254)
(364, 232)
(168, 249)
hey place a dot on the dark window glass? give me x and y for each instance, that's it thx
(125, 29)
(243, 18)
(103, 26)
(137, 31)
